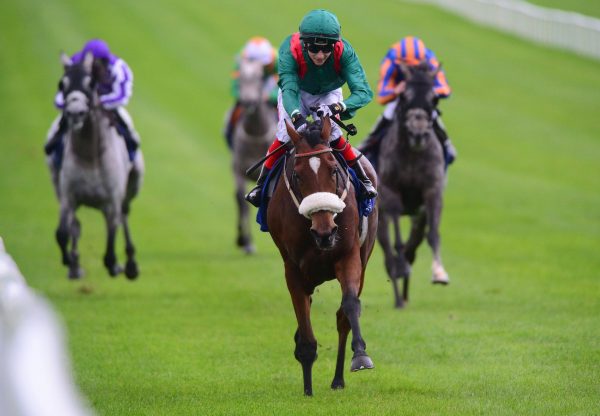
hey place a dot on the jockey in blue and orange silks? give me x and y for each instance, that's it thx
(258, 49)
(409, 51)
(114, 91)
(314, 64)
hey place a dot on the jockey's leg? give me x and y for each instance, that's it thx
(255, 194)
(352, 159)
(126, 129)
(371, 143)
(231, 120)
(54, 146)
(450, 152)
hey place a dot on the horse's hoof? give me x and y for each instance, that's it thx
(75, 274)
(440, 281)
(439, 275)
(399, 304)
(250, 249)
(338, 384)
(131, 270)
(361, 362)
(115, 270)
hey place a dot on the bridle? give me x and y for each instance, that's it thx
(309, 154)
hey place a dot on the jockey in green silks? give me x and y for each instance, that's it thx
(314, 64)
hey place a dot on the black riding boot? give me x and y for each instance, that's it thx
(130, 142)
(447, 146)
(369, 191)
(55, 140)
(254, 196)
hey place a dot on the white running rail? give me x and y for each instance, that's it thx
(566, 30)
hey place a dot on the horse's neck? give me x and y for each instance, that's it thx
(257, 119)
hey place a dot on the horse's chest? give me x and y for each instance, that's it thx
(91, 186)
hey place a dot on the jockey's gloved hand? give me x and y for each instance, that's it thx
(299, 121)
(331, 109)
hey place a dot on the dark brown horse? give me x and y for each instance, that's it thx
(313, 219)
(411, 169)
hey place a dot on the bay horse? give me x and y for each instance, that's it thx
(96, 170)
(412, 174)
(251, 138)
(313, 219)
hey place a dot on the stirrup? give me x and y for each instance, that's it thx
(254, 196)
(370, 191)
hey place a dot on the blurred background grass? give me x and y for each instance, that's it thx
(208, 330)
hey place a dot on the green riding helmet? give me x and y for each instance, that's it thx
(320, 26)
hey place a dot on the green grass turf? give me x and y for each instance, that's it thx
(208, 330)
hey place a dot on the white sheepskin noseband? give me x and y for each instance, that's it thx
(321, 201)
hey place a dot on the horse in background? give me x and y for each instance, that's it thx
(251, 138)
(313, 219)
(412, 175)
(96, 170)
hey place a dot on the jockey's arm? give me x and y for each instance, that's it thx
(441, 87)
(121, 88)
(354, 74)
(388, 72)
(288, 79)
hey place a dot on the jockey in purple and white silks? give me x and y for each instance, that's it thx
(114, 90)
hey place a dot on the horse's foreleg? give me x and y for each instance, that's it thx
(306, 344)
(112, 217)
(62, 233)
(383, 236)
(244, 238)
(75, 272)
(434, 211)
(350, 275)
(417, 233)
(343, 327)
(131, 267)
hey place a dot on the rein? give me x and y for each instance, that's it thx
(308, 154)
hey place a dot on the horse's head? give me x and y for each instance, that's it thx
(316, 177)
(417, 104)
(251, 82)
(78, 88)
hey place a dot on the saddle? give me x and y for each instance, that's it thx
(365, 206)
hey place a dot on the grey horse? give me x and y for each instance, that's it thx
(412, 175)
(251, 138)
(95, 172)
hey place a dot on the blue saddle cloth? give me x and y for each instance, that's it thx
(365, 206)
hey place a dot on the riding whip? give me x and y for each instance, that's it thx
(260, 162)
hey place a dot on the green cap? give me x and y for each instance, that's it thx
(320, 24)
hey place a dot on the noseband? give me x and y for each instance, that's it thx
(309, 154)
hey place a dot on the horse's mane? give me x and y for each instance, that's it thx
(312, 133)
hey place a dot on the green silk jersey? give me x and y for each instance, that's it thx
(297, 72)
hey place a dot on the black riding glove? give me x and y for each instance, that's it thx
(330, 109)
(298, 120)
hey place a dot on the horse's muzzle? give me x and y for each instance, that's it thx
(324, 240)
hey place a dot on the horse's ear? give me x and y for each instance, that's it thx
(405, 69)
(88, 61)
(326, 128)
(294, 135)
(66, 61)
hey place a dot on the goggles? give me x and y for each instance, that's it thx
(316, 47)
